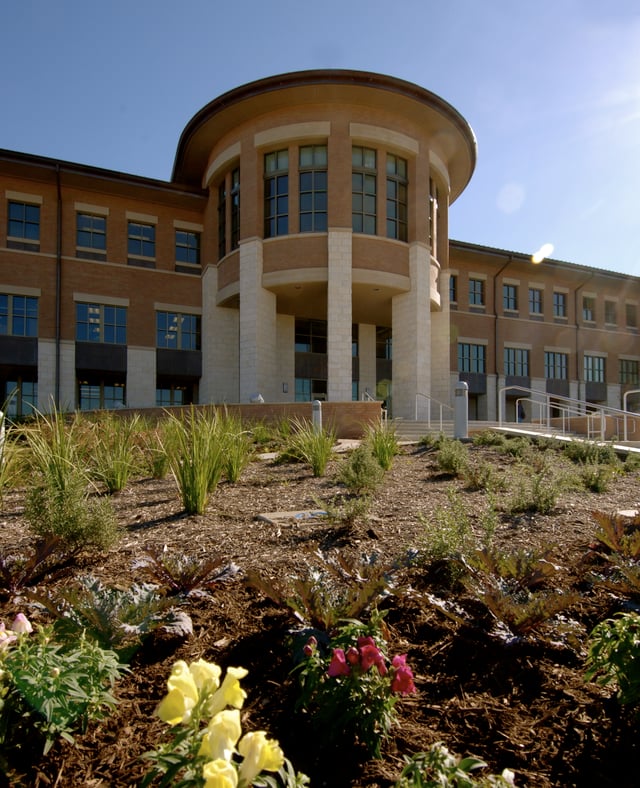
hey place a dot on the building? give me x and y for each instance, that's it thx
(300, 251)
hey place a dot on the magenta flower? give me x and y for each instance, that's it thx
(353, 655)
(366, 640)
(338, 665)
(310, 646)
(371, 655)
(402, 682)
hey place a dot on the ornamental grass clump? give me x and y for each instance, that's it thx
(115, 453)
(349, 687)
(383, 442)
(194, 447)
(311, 444)
(207, 746)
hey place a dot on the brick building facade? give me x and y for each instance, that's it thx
(300, 251)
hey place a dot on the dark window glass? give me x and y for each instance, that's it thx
(187, 247)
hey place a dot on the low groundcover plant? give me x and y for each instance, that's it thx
(350, 687)
(207, 748)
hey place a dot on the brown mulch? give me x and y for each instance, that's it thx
(516, 702)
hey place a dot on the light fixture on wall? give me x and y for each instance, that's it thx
(285, 388)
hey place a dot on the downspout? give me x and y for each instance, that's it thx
(58, 285)
(578, 288)
(495, 330)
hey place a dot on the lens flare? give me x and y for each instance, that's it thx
(544, 251)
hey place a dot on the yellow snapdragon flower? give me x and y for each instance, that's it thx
(222, 734)
(230, 693)
(260, 754)
(176, 706)
(219, 773)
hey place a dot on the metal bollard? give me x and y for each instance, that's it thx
(461, 410)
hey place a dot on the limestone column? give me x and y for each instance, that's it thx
(220, 356)
(141, 377)
(339, 364)
(258, 333)
(411, 326)
(367, 358)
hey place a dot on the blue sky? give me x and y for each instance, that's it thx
(551, 90)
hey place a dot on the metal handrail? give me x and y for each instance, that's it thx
(430, 399)
(568, 407)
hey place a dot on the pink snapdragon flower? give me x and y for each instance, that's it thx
(338, 665)
(371, 655)
(402, 681)
(21, 625)
(310, 646)
(353, 655)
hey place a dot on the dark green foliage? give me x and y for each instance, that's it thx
(614, 656)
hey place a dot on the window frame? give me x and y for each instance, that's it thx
(16, 310)
(137, 241)
(594, 368)
(364, 195)
(477, 290)
(91, 250)
(516, 361)
(398, 200)
(536, 301)
(588, 309)
(509, 297)
(559, 304)
(628, 372)
(110, 318)
(28, 239)
(187, 331)
(316, 193)
(191, 249)
(556, 361)
(276, 193)
(472, 358)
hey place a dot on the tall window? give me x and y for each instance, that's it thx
(222, 219)
(101, 323)
(18, 315)
(170, 395)
(187, 247)
(91, 236)
(510, 297)
(141, 243)
(434, 197)
(476, 292)
(555, 365)
(23, 226)
(313, 188)
(235, 208)
(363, 190)
(177, 331)
(588, 309)
(471, 358)
(453, 288)
(535, 301)
(516, 362)
(276, 194)
(594, 369)
(384, 343)
(610, 313)
(628, 371)
(396, 197)
(559, 304)
(631, 314)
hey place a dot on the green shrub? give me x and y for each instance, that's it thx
(535, 493)
(596, 477)
(448, 534)
(614, 657)
(452, 456)
(346, 511)
(583, 452)
(489, 438)
(360, 471)
(483, 476)
(79, 520)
